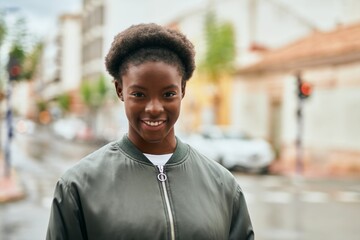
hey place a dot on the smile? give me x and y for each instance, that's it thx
(153, 123)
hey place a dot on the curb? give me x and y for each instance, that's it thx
(313, 170)
(10, 188)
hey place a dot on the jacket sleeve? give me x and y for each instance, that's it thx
(241, 227)
(65, 217)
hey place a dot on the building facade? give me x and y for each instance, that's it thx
(268, 99)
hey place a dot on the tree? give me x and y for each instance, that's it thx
(64, 102)
(94, 95)
(32, 61)
(3, 31)
(24, 51)
(220, 48)
(219, 60)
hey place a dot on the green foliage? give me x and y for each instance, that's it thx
(220, 48)
(102, 88)
(86, 92)
(41, 105)
(94, 93)
(17, 51)
(27, 53)
(64, 101)
(19, 32)
(32, 61)
(3, 31)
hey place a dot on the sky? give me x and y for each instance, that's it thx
(41, 15)
(41, 22)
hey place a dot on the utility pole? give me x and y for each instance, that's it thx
(304, 90)
(13, 69)
(10, 132)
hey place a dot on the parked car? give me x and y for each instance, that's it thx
(69, 128)
(233, 149)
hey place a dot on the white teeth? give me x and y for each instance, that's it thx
(153, 124)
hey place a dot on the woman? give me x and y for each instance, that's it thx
(149, 184)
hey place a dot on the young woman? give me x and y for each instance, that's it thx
(149, 184)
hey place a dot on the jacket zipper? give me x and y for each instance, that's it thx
(162, 178)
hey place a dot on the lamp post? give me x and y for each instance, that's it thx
(304, 90)
(14, 70)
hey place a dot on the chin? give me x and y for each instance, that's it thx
(157, 140)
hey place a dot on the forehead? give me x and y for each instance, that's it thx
(150, 54)
(150, 73)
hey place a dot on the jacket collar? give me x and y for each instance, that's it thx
(178, 156)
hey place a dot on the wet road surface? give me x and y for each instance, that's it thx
(280, 207)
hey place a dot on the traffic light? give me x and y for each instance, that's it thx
(304, 89)
(14, 68)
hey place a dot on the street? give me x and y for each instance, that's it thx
(280, 207)
(285, 208)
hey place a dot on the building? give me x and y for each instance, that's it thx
(69, 59)
(259, 25)
(267, 98)
(60, 67)
(101, 21)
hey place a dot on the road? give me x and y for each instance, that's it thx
(280, 207)
(294, 208)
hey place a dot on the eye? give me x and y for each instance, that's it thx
(169, 94)
(137, 94)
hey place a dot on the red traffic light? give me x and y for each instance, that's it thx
(14, 68)
(305, 89)
(15, 71)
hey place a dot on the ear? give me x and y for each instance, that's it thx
(119, 90)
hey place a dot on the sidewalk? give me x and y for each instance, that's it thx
(313, 170)
(10, 187)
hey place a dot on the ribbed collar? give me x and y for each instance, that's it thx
(127, 146)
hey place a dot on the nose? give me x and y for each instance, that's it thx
(154, 107)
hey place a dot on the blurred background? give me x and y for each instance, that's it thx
(275, 99)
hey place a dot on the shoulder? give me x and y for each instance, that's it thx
(92, 165)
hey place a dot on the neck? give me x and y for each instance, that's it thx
(167, 145)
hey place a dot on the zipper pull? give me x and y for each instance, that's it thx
(161, 176)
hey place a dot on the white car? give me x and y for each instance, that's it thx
(69, 128)
(233, 149)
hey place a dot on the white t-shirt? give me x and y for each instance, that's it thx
(158, 160)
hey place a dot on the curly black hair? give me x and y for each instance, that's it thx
(150, 42)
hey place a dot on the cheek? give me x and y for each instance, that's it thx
(175, 108)
(131, 109)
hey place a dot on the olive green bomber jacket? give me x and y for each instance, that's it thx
(117, 193)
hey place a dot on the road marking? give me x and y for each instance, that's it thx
(279, 234)
(348, 197)
(283, 197)
(278, 197)
(314, 197)
(271, 182)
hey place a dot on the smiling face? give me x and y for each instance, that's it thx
(152, 94)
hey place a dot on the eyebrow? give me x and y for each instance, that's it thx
(135, 86)
(171, 86)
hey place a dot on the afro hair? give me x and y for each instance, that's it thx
(165, 44)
